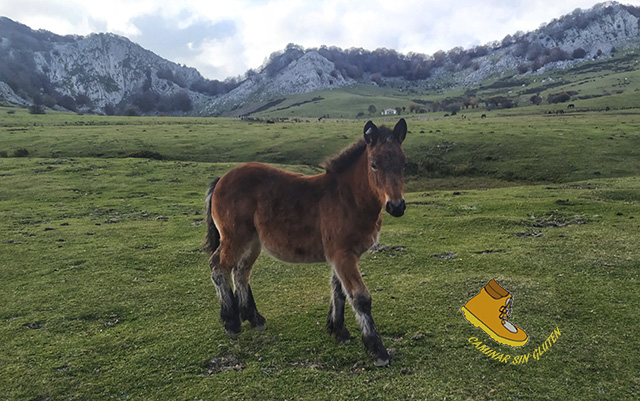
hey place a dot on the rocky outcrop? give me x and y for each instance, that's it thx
(108, 70)
(308, 73)
(572, 39)
(599, 30)
(6, 93)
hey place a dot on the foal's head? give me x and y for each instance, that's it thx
(386, 163)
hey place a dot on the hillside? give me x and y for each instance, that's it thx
(600, 33)
(593, 85)
(102, 73)
(106, 73)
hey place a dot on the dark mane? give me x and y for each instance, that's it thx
(346, 158)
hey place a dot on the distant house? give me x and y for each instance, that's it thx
(387, 112)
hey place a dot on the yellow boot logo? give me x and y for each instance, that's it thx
(490, 310)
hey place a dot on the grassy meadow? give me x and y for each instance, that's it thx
(105, 292)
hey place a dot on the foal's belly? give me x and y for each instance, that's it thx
(287, 220)
(303, 249)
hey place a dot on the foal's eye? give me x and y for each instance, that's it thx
(373, 166)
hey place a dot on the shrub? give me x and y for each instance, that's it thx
(22, 152)
(48, 101)
(36, 109)
(131, 112)
(181, 102)
(579, 53)
(146, 154)
(84, 100)
(109, 110)
(559, 97)
(68, 103)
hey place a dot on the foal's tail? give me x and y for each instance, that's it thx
(212, 239)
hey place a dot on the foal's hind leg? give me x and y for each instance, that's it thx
(221, 276)
(244, 295)
(335, 320)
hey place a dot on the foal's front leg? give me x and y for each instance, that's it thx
(346, 268)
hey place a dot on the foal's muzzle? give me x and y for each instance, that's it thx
(396, 208)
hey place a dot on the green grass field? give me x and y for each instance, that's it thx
(105, 293)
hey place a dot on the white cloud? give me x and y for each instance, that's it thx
(256, 28)
(212, 58)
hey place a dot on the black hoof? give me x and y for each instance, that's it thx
(233, 328)
(341, 333)
(377, 351)
(342, 336)
(233, 334)
(258, 322)
(381, 362)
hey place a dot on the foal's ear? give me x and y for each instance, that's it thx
(400, 130)
(370, 133)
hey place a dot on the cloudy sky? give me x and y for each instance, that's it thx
(225, 38)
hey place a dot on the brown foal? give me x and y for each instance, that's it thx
(334, 217)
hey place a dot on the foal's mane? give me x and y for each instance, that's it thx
(346, 158)
(351, 154)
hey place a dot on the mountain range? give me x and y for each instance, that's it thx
(106, 73)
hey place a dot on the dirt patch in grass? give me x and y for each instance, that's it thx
(223, 364)
(446, 256)
(377, 248)
(530, 233)
(34, 325)
(489, 251)
(555, 219)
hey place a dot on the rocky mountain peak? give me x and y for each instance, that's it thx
(597, 30)
(308, 72)
(100, 72)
